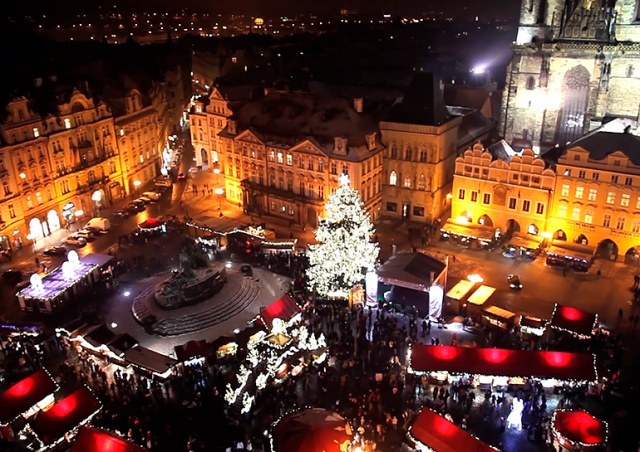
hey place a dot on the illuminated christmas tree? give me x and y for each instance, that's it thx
(344, 251)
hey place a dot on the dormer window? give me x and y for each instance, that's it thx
(67, 123)
(198, 108)
(36, 132)
(371, 141)
(340, 146)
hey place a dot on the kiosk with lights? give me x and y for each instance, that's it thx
(55, 290)
(432, 432)
(577, 430)
(501, 367)
(311, 430)
(574, 321)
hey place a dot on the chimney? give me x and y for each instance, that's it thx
(357, 104)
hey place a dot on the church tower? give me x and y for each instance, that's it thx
(575, 63)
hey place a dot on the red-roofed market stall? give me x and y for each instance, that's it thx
(574, 321)
(284, 308)
(578, 430)
(91, 439)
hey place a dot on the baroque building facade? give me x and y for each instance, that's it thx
(575, 64)
(283, 155)
(57, 166)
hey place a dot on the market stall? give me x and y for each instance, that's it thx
(577, 430)
(149, 363)
(152, 225)
(90, 439)
(469, 234)
(577, 257)
(284, 308)
(416, 280)
(24, 399)
(532, 325)
(277, 246)
(62, 420)
(311, 430)
(525, 245)
(432, 432)
(499, 317)
(192, 351)
(574, 321)
(545, 365)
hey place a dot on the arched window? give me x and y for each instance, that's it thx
(422, 183)
(393, 178)
(531, 83)
(394, 152)
(407, 153)
(423, 155)
(407, 180)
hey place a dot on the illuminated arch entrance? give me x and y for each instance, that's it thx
(582, 240)
(607, 249)
(533, 229)
(560, 235)
(485, 220)
(54, 220)
(35, 228)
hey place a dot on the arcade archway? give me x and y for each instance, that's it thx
(204, 156)
(485, 220)
(54, 220)
(632, 256)
(582, 240)
(607, 249)
(560, 235)
(35, 228)
(513, 226)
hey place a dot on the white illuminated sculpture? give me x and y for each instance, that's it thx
(514, 420)
(277, 327)
(36, 282)
(67, 270)
(73, 258)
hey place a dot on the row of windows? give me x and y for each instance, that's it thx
(408, 154)
(615, 178)
(592, 195)
(607, 219)
(407, 181)
(515, 177)
(525, 206)
(417, 211)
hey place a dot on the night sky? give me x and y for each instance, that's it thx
(503, 9)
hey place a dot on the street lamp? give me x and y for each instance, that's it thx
(216, 171)
(219, 192)
(136, 183)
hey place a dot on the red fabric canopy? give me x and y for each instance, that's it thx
(65, 415)
(437, 433)
(192, 349)
(285, 309)
(25, 394)
(573, 320)
(91, 439)
(580, 427)
(151, 223)
(503, 362)
(311, 430)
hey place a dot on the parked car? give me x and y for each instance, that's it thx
(75, 240)
(163, 182)
(12, 276)
(152, 195)
(120, 213)
(98, 224)
(514, 281)
(144, 200)
(135, 207)
(86, 234)
(55, 251)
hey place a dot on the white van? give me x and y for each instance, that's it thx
(99, 224)
(153, 195)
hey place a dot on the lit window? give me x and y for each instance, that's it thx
(565, 190)
(289, 159)
(611, 197)
(272, 156)
(624, 200)
(588, 216)
(280, 158)
(36, 132)
(579, 192)
(562, 211)
(422, 184)
(67, 123)
(393, 178)
(407, 181)
(575, 214)
(593, 194)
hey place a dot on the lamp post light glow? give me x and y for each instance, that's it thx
(219, 192)
(23, 176)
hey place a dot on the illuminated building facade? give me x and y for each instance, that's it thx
(283, 155)
(597, 192)
(574, 65)
(423, 137)
(512, 193)
(209, 117)
(58, 161)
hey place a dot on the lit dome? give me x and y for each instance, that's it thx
(259, 21)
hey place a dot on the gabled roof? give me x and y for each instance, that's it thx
(23, 395)
(602, 144)
(284, 308)
(412, 270)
